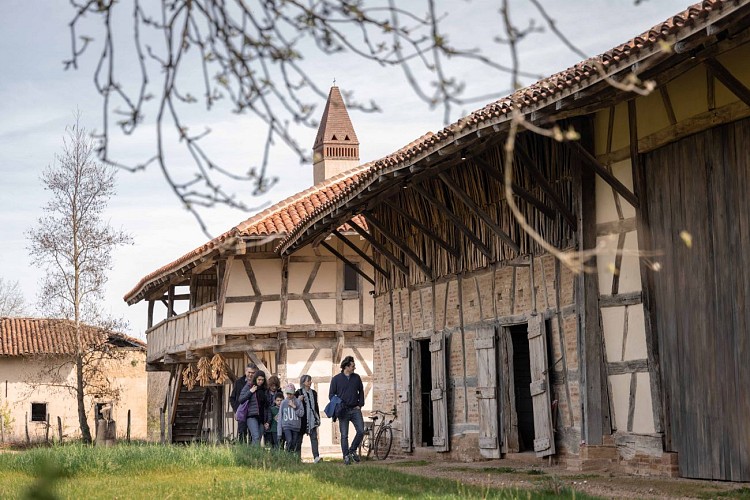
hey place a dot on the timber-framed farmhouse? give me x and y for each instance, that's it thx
(487, 344)
(490, 346)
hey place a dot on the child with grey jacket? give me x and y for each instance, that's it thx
(290, 418)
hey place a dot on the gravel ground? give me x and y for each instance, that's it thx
(509, 473)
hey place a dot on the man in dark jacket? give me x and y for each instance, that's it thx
(348, 386)
(241, 382)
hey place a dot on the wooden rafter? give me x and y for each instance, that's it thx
(347, 261)
(399, 243)
(422, 227)
(522, 193)
(543, 183)
(479, 211)
(456, 220)
(593, 164)
(360, 252)
(728, 79)
(380, 248)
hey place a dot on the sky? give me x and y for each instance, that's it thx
(38, 99)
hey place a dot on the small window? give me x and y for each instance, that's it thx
(351, 279)
(346, 138)
(98, 410)
(38, 412)
(334, 138)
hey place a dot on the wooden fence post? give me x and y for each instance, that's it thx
(161, 426)
(46, 431)
(59, 428)
(127, 437)
(2, 429)
(28, 439)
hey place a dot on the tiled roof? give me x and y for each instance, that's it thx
(335, 122)
(534, 97)
(40, 336)
(277, 219)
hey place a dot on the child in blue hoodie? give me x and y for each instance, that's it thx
(290, 418)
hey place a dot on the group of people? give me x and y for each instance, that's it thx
(281, 417)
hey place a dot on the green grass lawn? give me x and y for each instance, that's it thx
(149, 471)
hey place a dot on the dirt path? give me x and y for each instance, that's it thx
(508, 473)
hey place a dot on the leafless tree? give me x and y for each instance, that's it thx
(73, 243)
(12, 302)
(252, 55)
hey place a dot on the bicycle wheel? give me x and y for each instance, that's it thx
(383, 442)
(365, 447)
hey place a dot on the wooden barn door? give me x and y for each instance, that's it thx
(544, 438)
(404, 397)
(698, 209)
(439, 395)
(487, 391)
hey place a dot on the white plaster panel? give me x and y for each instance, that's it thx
(268, 274)
(325, 281)
(237, 314)
(606, 210)
(635, 347)
(326, 309)
(630, 272)
(270, 313)
(239, 283)
(621, 398)
(688, 93)
(351, 311)
(613, 324)
(297, 313)
(643, 418)
(299, 272)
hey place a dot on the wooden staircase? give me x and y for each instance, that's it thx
(188, 414)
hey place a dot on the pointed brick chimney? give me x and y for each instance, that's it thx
(336, 147)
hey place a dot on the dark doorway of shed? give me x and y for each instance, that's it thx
(521, 382)
(425, 389)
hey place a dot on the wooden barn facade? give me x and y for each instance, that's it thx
(489, 345)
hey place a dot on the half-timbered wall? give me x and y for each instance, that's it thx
(454, 311)
(686, 102)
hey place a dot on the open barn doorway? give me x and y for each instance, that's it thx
(521, 387)
(426, 427)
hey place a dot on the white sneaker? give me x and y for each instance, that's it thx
(317, 459)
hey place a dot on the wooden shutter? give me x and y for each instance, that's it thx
(439, 394)
(544, 438)
(487, 400)
(404, 396)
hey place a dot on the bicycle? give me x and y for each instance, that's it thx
(381, 443)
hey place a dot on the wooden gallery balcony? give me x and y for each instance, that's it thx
(170, 340)
(185, 337)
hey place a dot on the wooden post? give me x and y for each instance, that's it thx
(161, 426)
(59, 429)
(127, 435)
(2, 429)
(28, 439)
(150, 321)
(46, 431)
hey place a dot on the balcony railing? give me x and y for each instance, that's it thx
(175, 334)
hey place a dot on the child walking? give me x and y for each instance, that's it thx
(273, 440)
(290, 418)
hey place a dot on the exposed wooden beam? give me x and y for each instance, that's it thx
(347, 261)
(398, 242)
(543, 183)
(479, 211)
(728, 79)
(380, 248)
(422, 227)
(595, 166)
(359, 252)
(225, 269)
(456, 220)
(522, 193)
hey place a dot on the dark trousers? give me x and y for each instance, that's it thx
(242, 431)
(291, 440)
(354, 416)
(270, 439)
